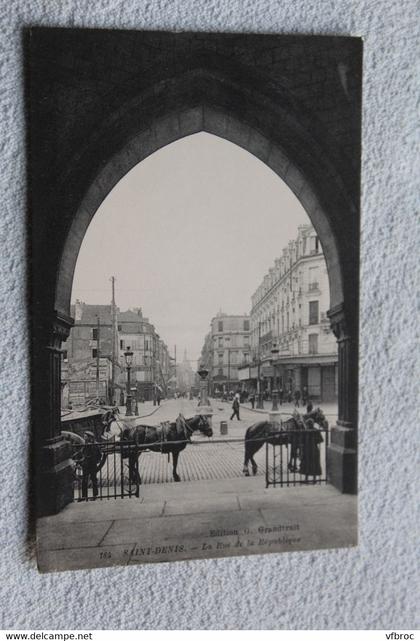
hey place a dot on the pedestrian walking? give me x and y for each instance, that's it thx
(235, 407)
(91, 456)
(252, 400)
(297, 397)
(281, 393)
(158, 397)
(289, 395)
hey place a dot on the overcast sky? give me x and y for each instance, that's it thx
(189, 231)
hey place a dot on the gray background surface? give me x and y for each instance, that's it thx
(372, 586)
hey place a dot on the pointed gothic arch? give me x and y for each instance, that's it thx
(269, 122)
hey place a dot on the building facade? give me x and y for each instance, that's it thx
(185, 376)
(226, 346)
(150, 371)
(86, 372)
(292, 344)
(86, 368)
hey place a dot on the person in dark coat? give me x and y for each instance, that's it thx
(297, 397)
(91, 456)
(289, 395)
(252, 400)
(235, 407)
(281, 392)
(310, 461)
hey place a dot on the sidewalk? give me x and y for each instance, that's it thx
(193, 520)
(145, 409)
(330, 409)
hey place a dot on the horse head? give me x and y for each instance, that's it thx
(201, 423)
(318, 417)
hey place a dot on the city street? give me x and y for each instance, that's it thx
(220, 457)
(215, 510)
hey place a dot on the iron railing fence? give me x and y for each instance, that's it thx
(101, 471)
(300, 457)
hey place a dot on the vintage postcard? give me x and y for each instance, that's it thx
(194, 203)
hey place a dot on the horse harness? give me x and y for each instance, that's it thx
(166, 428)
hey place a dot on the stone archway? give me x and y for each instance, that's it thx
(271, 128)
(162, 133)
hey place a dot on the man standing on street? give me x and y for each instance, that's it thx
(91, 454)
(252, 400)
(235, 407)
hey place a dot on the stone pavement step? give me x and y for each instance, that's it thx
(190, 522)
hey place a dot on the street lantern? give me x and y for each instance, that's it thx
(274, 353)
(128, 355)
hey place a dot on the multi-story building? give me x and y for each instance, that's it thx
(292, 344)
(86, 368)
(150, 370)
(226, 346)
(83, 366)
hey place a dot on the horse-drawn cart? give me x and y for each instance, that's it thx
(101, 463)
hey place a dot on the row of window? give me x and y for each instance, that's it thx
(232, 357)
(312, 349)
(285, 264)
(285, 320)
(227, 341)
(245, 326)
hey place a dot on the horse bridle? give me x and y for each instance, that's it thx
(188, 431)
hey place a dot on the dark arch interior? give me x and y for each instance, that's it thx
(260, 92)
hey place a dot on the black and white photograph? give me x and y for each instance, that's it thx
(194, 201)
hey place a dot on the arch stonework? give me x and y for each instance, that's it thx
(166, 131)
(306, 143)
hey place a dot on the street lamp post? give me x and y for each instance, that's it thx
(275, 407)
(128, 355)
(260, 402)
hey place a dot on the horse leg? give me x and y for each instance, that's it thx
(249, 457)
(293, 457)
(175, 455)
(254, 466)
(245, 469)
(134, 469)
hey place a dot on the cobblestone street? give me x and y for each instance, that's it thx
(221, 457)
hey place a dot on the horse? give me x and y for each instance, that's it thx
(285, 434)
(112, 425)
(167, 438)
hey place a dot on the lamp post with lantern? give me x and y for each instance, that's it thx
(275, 394)
(128, 355)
